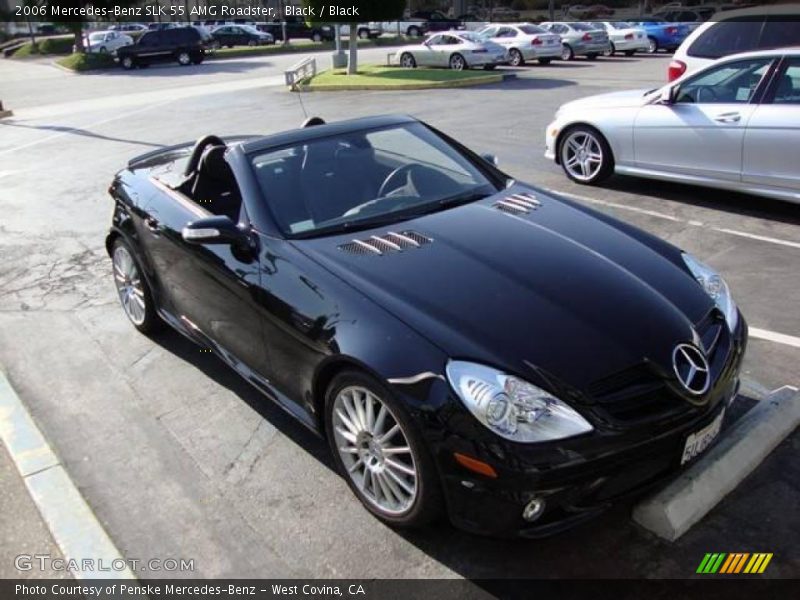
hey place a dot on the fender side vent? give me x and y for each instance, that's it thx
(388, 242)
(518, 204)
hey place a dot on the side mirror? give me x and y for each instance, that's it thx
(214, 230)
(668, 95)
(491, 159)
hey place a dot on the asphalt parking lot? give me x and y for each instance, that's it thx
(178, 457)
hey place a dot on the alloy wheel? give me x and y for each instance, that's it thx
(129, 285)
(375, 450)
(407, 61)
(516, 57)
(457, 62)
(652, 46)
(566, 53)
(184, 58)
(582, 155)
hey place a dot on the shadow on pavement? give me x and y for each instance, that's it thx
(83, 132)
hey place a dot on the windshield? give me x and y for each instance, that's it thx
(532, 29)
(364, 179)
(471, 36)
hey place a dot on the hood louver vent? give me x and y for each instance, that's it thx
(518, 204)
(388, 242)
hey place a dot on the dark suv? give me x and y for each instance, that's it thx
(184, 45)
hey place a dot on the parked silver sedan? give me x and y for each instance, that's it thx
(580, 39)
(454, 49)
(734, 125)
(524, 41)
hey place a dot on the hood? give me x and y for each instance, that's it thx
(627, 98)
(556, 289)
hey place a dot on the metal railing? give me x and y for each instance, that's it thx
(301, 71)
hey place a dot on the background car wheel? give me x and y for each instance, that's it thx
(585, 155)
(545, 61)
(103, 50)
(316, 36)
(184, 58)
(457, 62)
(630, 52)
(380, 453)
(652, 45)
(413, 31)
(363, 34)
(128, 63)
(407, 61)
(567, 53)
(611, 51)
(132, 289)
(515, 58)
(591, 56)
(252, 43)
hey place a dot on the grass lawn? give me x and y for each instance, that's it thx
(392, 78)
(87, 62)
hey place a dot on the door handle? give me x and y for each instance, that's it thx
(731, 117)
(152, 224)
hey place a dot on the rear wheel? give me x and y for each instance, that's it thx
(652, 45)
(413, 31)
(316, 36)
(407, 60)
(515, 58)
(457, 62)
(611, 50)
(184, 58)
(132, 289)
(566, 52)
(585, 155)
(379, 451)
(545, 61)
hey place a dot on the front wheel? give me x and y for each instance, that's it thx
(407, 61)
(515, 58)
(379, 451)
(652, 45)
(363, 34)
(184, 58)
(457, 63)
(413, 31)
(132, 289)
(585, 155)
(316, 36)
(128, 63)
(610, 51)
(566, 52)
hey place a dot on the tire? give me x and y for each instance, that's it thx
(400, 499)
(591, 56)
(413, 31)
(316, 36)
(184, 58)
(134, 293)
(515, 58)
(652, 45)
(252, 43)
(567, 53)
(545, 61)
(630, 52)
(585, 170)
(407, 61)
(128, 63)
(611, 50)
(103, 50)
(363, 34)
(457, 62)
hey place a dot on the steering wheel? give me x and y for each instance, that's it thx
(404, 170)
(197, 152)
(706, 93)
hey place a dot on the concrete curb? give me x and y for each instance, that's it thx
(74, 526)
(472, 81)
(672, 511)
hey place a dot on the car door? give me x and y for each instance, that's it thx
(701, 133)
(150, 46)
(428, 54)
(772, 137)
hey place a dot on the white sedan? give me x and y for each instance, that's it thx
(524, 41)
(454, 49)
(732, 125)
(106, 42)
(624, 37)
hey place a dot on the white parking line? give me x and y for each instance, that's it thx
(774, 336)
(694, 223)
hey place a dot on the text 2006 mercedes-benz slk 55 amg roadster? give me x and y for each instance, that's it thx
(465, 342)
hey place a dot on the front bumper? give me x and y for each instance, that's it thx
(577, 478)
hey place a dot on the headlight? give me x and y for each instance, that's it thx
(512, 407)
(715, 286)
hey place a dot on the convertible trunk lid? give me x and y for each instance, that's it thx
(516, 289)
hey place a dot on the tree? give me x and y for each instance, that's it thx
(368, 10)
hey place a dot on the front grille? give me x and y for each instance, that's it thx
(378, 245)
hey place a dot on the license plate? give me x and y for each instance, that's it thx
(697, 442)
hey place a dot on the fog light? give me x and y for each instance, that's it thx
(533, 509)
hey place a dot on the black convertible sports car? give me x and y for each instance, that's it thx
(463, 341)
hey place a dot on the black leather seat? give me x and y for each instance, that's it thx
(215, 187)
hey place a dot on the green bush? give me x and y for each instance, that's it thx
(87, 62)
(50, 45)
